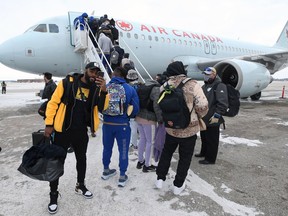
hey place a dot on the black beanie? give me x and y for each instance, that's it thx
(175, 68)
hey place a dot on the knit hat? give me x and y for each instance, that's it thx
(175, 68)
(132, 75)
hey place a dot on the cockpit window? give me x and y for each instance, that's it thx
(53, 28)
(41, 28)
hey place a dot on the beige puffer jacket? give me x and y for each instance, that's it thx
(193, 93)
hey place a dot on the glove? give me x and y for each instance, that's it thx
(215, 118)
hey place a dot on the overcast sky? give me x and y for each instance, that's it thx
(259, 21)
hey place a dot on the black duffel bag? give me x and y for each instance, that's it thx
(44, 162)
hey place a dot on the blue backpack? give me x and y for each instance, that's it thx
(117, 100)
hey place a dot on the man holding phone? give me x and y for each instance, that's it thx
(74, 106)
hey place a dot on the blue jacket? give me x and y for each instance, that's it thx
(131, 99)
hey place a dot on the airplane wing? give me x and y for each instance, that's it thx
(272, 61)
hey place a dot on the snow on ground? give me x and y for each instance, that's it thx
(108, 198)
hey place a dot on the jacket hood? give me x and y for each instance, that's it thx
(175, 68)
(118, 80)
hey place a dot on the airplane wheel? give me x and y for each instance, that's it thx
(256, 96)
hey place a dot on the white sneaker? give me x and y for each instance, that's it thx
(178, 190)
(159, 183)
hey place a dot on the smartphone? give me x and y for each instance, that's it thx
(101, 74)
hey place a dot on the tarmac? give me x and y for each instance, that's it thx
(250, 176)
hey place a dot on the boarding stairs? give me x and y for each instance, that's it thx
(84, 46)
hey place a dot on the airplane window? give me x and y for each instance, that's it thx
(156, 38)
(195, 43)
(53, 28)
(222, 47)
(136, 36)
(30, 29)
(233, 49)
(143, 37)
(200, 45)
(174, 40)
(150, 37)
(190, 42)
(41, 28)
(185, 42)
(180, 42)
(128, 35)
(162, 39)
(121, 34)
(168, 40)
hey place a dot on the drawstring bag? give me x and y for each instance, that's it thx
(44, 162)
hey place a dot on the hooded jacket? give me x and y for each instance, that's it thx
(60, 109)
(195, 99)
(105, 43)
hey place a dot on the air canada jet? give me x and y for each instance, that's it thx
(54, 45)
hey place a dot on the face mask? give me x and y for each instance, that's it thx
(206, 78)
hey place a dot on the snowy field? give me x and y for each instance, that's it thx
(21, 195)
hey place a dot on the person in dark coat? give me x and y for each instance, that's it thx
(216, 94)
(121, 54)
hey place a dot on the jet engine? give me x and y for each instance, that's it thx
(249, 78)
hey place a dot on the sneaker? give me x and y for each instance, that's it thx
(148, 169)
(178, 190)
(81, 189)
(53, 206)
(70, 150)
(122, 181)
(107, 175)
(140, 164)
(159, 183)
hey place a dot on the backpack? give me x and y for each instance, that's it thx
(117, 100)
(114, 57)
(175, 111)
(144, 92)
(233, 100)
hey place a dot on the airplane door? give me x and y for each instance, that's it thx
(206, 46)
(213, 48)
(71, 17)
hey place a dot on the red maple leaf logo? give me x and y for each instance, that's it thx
(125, 26)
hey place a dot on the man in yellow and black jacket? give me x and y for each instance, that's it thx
(74, 106)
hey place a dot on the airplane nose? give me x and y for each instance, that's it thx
(7, 53)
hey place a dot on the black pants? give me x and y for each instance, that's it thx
(186, 149)
(210, 143)
(78, 139)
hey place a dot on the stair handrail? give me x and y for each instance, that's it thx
(137, 59)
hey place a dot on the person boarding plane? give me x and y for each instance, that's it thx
(54, 45)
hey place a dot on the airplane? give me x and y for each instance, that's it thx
(54, 45)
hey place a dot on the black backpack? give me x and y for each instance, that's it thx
(174, 108)
(144, 92)
(233, 100)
